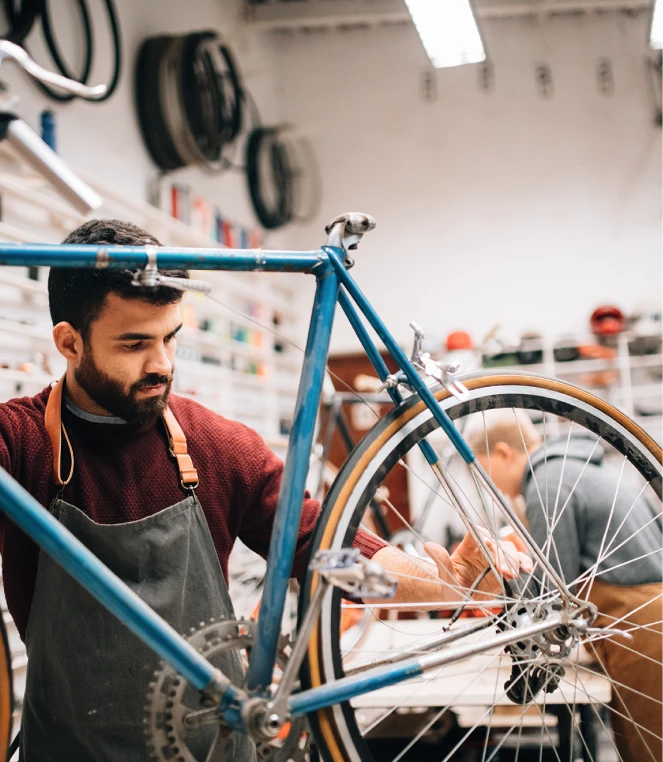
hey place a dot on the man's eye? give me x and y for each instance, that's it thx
(136, 345)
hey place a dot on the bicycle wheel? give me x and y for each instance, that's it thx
(468, 706)
(6, 693)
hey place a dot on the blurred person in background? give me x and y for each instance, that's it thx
(567, 485)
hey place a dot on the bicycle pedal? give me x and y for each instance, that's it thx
(348, 570)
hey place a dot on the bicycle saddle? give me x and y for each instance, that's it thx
(347, 229)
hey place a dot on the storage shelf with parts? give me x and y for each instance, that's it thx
(625, 370)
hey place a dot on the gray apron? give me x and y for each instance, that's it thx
(88, 675)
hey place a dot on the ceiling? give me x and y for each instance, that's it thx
(304, 15)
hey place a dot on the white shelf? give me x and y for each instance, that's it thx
(646, 390)
(282, 360)
(644, 361)
(625, 390)
(18, 188)
(20, 281)
(24, 329)
(20, 376)
(195, 338)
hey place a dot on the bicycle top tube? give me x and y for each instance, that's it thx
(165, 257)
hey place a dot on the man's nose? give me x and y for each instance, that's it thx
(159, 361)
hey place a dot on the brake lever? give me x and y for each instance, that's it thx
(13, 52)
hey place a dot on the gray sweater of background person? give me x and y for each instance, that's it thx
(583, 511)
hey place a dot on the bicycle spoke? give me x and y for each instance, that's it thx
(435, 718)
(628, 717)
(492, 710)
(490, 473)
(605, 533)
(543, 507)
(625, 563)
(592, 704)
(620, 566)
(560, 476)
(605, 553)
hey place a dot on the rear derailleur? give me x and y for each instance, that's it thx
(536, 663)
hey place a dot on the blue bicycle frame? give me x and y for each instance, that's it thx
(334, 285)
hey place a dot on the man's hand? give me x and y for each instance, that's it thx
(468, 561)
(455, 573)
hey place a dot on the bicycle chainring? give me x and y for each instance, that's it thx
(168, 719)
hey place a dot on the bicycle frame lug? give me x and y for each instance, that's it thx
(213, 694)
(262, 720)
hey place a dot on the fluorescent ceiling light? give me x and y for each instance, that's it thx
(656, 33)
(448, 31)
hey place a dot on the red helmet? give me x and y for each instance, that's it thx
(459, 340)
(607, 320)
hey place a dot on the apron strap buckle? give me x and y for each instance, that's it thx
(178, 450)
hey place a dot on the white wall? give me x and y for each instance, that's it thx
(104, 138)
(491, 207)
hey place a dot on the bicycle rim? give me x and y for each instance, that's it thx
(340, 731)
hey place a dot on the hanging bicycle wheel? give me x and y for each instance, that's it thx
(581, 459)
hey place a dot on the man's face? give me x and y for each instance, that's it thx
(505, 467)
(498, 469)
(127, 362)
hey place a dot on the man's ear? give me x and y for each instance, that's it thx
(68, 342)
(502, 450)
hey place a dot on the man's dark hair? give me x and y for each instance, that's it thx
(77, 295)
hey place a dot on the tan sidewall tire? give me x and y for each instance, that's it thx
(323, 720)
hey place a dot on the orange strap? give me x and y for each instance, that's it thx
(55, 429)
(178, 450)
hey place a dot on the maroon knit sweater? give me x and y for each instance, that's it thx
(124, 473)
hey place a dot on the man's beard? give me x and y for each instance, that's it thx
(110, 395)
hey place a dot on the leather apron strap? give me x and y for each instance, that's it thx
(176, 441)
(55, 429)
(178, 449)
